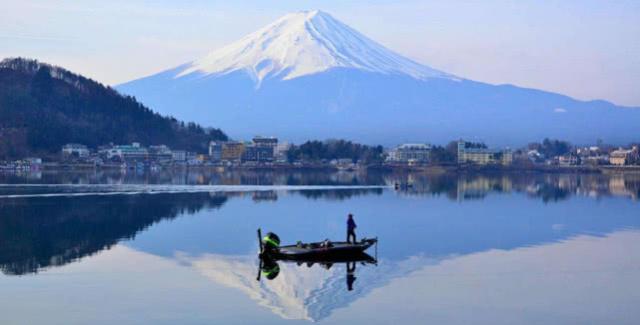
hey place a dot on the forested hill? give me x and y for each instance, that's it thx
(43, 107)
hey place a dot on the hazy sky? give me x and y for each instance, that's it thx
(585, 49)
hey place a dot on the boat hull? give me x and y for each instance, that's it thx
(337, 252)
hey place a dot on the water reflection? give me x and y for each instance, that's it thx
(197, 177)
(428, 220)
(38, 232)
(307, 291)
(270, 266)
(547, 187)
(458, 187)
(43, 232)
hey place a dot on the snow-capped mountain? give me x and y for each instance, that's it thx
(305, 43)
(308, 75)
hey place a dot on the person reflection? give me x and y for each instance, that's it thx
(351, 275)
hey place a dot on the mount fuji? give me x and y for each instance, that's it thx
(308, 75)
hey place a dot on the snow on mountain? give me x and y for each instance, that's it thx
(299, 291)
(309, 76)
(305, 43)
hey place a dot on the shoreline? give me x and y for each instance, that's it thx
(427, 169)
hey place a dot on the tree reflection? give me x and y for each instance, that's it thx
(39, 232)
(339, 195)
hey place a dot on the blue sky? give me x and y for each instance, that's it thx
(585, 49)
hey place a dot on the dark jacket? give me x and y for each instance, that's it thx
(351, 225)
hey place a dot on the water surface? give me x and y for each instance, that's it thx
(457, 249)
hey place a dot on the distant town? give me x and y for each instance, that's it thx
(268, 152)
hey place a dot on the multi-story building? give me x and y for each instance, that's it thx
(269, 142)
(75, 150)
(133, 152)
(256, 153)
(160, 153)
(410, 153)
(482, 156)
(232, 151)
(265, 148)
(569, 159)
(623, 157)
(215, 151)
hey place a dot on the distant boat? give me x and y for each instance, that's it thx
(403, 186)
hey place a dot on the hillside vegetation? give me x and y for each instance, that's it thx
(43, 107)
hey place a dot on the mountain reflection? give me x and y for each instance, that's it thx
(308, 291)
(427, 220)
(39, 232)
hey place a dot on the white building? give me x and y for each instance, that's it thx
(410, 153)
(133, 152)
(482, 156)
(623, 157)
(75, 149)
(280, 152)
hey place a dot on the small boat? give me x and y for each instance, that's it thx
(325, 253)
(323, 250)
(318, 251)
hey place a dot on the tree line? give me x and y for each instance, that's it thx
(317, 151)
(43, 107)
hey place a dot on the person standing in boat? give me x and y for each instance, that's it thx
(351, 229)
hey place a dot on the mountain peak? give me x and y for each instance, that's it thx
(307, 14)
(305, 43)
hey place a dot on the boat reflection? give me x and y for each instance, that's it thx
(210, 234)
(270, 268)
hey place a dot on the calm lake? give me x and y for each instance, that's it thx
(181, 248)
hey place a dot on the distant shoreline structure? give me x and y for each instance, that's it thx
(426, 169)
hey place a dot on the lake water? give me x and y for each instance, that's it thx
(181, 248)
